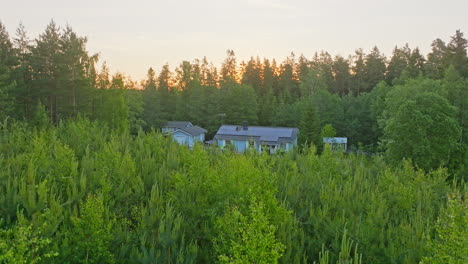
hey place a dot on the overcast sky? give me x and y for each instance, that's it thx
(134, 35)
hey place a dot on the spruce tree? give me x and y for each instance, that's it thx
(151, 103)
(309, 126)
(7, 84)
(229, 69)
(342, 76)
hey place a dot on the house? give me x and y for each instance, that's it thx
(172, 126)
(184, 132)
(336, 143)
(260, 138)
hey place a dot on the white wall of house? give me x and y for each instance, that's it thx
(183, 138)
(221, 143)
(241, 145)
(258, 147)
(200, 137)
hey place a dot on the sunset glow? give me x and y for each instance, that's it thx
(135, 35)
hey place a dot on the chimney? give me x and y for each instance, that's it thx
(245, 126)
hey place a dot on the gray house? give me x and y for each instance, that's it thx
(260, 138)
(184, 133)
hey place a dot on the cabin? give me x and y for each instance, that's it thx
(184, 132)
(260, 138)
(336, 143)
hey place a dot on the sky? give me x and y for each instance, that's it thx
(133, 35)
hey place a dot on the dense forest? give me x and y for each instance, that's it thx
(86, 177)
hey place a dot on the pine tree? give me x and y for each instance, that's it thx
(374, 70)
(7, 84)
(359, 80)
(6, 47)
(91, 234)
(184, 75)
(24, 100)
(166, 94)
(252, 75)
(312, 83)
(229, 69)
(269, 80)
(40, 119)
(415, 64)
(328, 131)
(322, 64)
(7, 90)
(437, 60)
(45, 57)
(302, 67)
(309, 126)
(288, 84)
(74, 83)
(457, 53)
(151, 104)
(398, 63)
(342, 76)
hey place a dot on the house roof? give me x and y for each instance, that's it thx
(193, 130)
(178, 124)
(258, 133)
(336, 140)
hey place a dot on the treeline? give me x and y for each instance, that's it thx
(80, 192)
(407, 105)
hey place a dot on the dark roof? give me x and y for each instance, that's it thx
(258, 133)
(178, 124)
(193, 130)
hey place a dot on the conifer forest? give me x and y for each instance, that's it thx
(86, 176)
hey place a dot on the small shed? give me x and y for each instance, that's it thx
(336, 143)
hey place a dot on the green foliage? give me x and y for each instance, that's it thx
(329, 108)
(358, 124)
(143, 198)
(7, 83)
(328, 131)
(289, 115)
(91, 233)
(41, 117)
(331, 192)
(24, 244)
(346, 255)
(7, 103)
(451, 242)
(423, 129)
(151, 103)
(374, 70)
(457, 93)
(312, 83)
(247, 239)
(309, 127)
(239, 104)
(114, 110)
